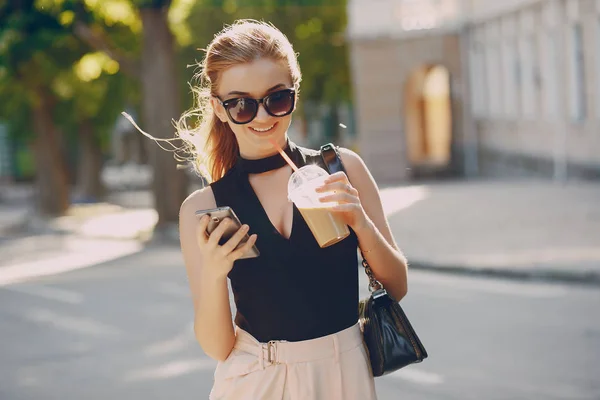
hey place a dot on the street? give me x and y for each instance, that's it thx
(123, 330)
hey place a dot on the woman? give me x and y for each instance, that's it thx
(295, 334)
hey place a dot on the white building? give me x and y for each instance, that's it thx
(477, 86)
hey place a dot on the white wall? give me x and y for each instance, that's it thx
(486, 9)
(398, 18)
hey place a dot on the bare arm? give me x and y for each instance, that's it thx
(207, 265)
(360, 204)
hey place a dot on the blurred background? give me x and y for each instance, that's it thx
(479, 120)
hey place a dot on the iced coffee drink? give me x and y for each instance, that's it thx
(327, 227)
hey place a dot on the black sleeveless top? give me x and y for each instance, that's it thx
(294, 290)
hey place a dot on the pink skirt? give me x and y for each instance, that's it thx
(330, 367)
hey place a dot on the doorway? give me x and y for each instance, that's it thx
(428, 120)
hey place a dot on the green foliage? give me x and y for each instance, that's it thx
(33, 48)
(24, 164)
(39, 49)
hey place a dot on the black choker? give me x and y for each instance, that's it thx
(266, 164)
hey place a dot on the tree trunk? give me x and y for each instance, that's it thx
(89, 181)
(51, 173)
(160, 106)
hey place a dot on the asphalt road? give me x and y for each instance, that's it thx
(122, 330)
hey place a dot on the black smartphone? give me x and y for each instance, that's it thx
(219, 214)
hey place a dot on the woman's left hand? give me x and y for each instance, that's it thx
(346, 198)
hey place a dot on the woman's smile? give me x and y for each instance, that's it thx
(264, 130)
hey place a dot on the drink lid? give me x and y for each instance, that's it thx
(303, 177)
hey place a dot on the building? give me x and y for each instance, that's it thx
(477, 87)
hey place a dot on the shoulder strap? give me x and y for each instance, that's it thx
(331, 158)
(333, 162)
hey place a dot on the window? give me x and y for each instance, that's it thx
(508, 78)
(493, 80)
(527, 77)
(477, 81)
(517, 79)
(549, 75)
(577, 101)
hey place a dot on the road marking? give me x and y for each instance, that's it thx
(417, 376)
(48, 293)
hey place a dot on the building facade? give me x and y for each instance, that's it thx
(477, 87)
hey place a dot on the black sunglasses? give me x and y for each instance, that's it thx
(242, 110)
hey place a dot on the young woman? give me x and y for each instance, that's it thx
(295, 333)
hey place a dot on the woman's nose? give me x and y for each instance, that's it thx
(262, 114)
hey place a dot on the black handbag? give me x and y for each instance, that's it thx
(389, 337)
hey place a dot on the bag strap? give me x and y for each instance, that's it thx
(333, 162)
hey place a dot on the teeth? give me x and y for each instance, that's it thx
(263, 130)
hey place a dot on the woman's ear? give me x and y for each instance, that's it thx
(219, 110)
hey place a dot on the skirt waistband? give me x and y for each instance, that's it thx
(283, 352)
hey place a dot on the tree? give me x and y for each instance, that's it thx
(53, 76)
(27, 73)
(92, 95)
(161, 105)
(157, 71)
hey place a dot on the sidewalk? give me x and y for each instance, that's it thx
(526, 229)
(521, 229)
(89, 235)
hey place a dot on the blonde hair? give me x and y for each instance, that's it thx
(211, 142)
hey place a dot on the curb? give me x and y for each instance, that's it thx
(590, 278)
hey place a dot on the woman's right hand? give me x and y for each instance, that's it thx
(218, 260)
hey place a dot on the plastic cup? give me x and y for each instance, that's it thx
(327, 227)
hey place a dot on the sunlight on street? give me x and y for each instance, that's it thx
(78, 253)
(123, 225)
(396, 199)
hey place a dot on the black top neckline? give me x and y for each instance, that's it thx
(266, 164)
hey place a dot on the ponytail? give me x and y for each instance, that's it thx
(222, 147)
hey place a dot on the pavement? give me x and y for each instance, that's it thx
(523, 229)
(123, 330)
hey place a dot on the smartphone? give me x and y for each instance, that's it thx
(219, 214)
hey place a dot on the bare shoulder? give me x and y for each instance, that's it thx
(351, 159)
(201, 199)
(355, 166)
(360, 176)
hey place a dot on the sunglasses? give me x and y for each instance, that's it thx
(242, 110)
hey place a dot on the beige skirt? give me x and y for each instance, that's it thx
(331, 367)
